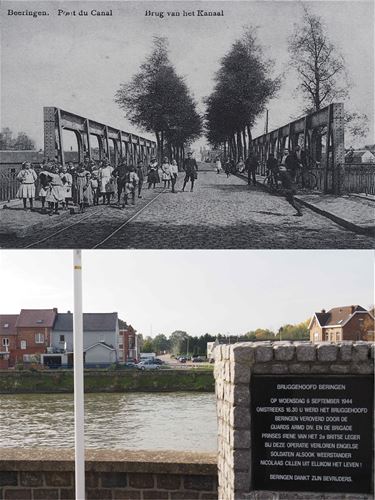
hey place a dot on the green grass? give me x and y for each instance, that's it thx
(197, 379)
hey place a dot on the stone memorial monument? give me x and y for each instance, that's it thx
(295, 420)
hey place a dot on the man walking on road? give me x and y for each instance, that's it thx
(191, 168)
(251, 165)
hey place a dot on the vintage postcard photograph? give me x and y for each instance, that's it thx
(187, 125)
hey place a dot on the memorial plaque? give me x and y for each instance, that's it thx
(312, 433)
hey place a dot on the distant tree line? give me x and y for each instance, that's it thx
(179, 342)
(20, 143)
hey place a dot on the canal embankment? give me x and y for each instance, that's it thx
(61, 381)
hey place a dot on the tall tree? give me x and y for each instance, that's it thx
(178, 341)
(158, 100)
(243, 86)
(319, 64)
(161, 343)
(147, 345)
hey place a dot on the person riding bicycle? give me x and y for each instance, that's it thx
(292, 164)
(272, 166)
(287, 176)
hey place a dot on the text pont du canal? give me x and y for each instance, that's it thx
(94, 12)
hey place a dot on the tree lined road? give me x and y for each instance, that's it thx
(221, 213)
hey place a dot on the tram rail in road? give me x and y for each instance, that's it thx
(57, 233)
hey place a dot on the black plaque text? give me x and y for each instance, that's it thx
(312, 433)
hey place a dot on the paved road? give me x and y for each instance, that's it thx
(220, 213)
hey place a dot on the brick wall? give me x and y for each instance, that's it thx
(28, 335)
(110, 474)
(234, 367)
(358, 327)
(11, 348)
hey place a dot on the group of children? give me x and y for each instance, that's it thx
(88, 182)
(166, 172)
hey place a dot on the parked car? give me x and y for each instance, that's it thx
(159, 361)
(182, 359)
(130, 364)
(148, 364)
(198, 359)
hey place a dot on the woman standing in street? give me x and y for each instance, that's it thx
(174, 173)
(67, 181)
(27, 176)
(55, 194)
(218, 165)
(88, 195)
(43, 181)
(152, 176)
(106, 182)
(166, 173)
(80, 183)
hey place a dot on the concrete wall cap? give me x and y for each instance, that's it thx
(327, 352)
(263, 353)
(305, 352)
(284, 352)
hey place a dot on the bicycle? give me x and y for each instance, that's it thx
(306, 179)
(271, 181)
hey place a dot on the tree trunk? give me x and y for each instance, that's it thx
(249, 137)
(244, 144)
(234, 147)
(157, 143)
(239, 145)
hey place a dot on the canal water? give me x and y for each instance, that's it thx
(138, 421)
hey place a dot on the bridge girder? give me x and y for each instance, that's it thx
(331, 119)
(126, 146)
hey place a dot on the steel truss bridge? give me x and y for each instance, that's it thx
(321, 134)
(113, 144)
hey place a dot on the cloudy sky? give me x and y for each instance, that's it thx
(78, 62)
(196, 291)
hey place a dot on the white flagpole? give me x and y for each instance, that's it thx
(79, 413)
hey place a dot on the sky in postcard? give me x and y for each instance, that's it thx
(78, 62)
(196, 291)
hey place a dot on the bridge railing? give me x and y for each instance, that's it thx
(349, 178)
(8, 182)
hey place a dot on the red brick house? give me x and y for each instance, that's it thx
(342, 323)
(34, 328)
(8, 338)
(128, 345)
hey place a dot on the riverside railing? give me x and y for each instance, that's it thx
(357, 178)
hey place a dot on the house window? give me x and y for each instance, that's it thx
(316, 336)
(5, 342)
(39, 338)
(121, 346)
(62, 338)
(6, 325)
(23, 344)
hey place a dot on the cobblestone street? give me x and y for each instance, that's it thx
(221, 213)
